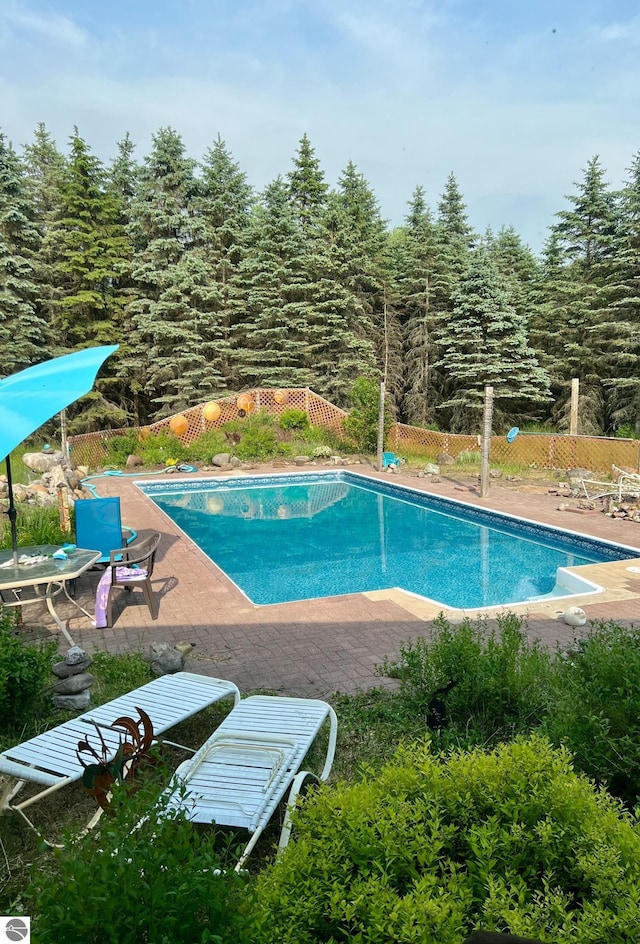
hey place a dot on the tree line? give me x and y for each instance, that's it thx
(210, 288)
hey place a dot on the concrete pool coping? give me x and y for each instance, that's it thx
(317, 647)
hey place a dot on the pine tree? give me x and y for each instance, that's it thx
(45, 165)
(91, 250)
(224, 205)
(177, 341)
(617, 331)
(273, 332)
(22, 331)
(585, 235)
(486, 344)
(359, 242)
(415, 262)
(307, 186)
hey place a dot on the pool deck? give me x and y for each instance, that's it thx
(314, 648)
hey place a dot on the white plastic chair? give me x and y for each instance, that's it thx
(240, 775)
(50, 759)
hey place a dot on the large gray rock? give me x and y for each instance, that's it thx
(431, 469)
(165, 660)
(63, 670)
(445, 459)
(72, 702)
(221, 458)
(74, 655)
(74, 684)
(42, 461)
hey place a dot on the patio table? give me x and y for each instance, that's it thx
(47, 579)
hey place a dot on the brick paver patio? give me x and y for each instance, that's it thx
(317, 647)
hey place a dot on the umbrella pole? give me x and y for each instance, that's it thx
(12, 513)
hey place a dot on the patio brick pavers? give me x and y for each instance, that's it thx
(310, 648)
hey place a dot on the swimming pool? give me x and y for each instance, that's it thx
(301, 536)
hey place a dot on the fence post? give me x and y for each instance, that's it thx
(486, 441)
(573, 419)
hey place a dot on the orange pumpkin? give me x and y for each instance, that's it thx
(211, 411)
(245, 402)
(179, 424)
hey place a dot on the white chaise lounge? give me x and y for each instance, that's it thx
(240, 775)
(50, 759)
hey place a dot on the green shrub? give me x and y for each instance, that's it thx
(502, 679)
(159, 448)
(361, 425)
(119, 448)
(595, 709)
(25, 678)
(35, 524)
(294, 419)
(210, 443)
(137, 879)
(431, 849)
(258, 443)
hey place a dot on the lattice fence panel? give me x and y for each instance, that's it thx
(598, 454)
(91, 449)
(413, 440)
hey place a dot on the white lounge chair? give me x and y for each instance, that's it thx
(240, 775)
(50, 759)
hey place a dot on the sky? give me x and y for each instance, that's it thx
(514, 98)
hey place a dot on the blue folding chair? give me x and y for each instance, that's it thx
(391, 460)
(99, 526)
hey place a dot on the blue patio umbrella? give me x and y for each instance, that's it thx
(31, 397)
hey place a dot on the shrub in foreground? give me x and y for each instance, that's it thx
(431, 849)
(137, 880)
(499, 679)
(25, 679)
(595, 709)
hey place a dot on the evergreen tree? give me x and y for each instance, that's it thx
(486, 344)
(359, 244)
(22, 331)
(123, 173)
(224, 205)
(585, 236)
(415, 262)
(307, 186)
(273, 331)
(44, 169)
(91, 251)
(617, 331)
(177, 352)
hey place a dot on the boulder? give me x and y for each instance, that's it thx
(72, 702)
(235, 463)
(64, 670)
(431, 469)
(74, 655)
(445, 459)
(301, 460)
(165, 660)
(221, 459)
(133, 461)
(42, 461)
(74, 684)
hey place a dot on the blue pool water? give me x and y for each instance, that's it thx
(298, 537)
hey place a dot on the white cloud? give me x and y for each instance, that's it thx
(52, 27)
